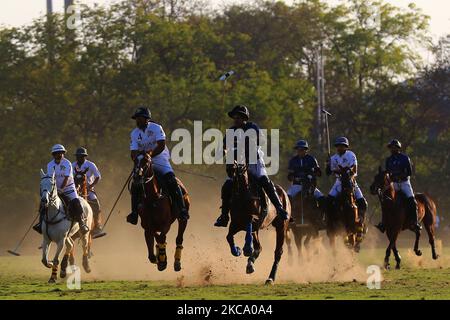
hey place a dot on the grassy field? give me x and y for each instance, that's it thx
(412, 282)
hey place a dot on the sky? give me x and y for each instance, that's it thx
(19, 12)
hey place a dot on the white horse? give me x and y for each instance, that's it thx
(58, 228)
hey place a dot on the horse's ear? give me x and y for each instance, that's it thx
(42, 173)
(380, 169)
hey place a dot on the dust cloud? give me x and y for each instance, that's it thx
(206, 258)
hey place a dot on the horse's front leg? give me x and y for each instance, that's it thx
(416, 243)
(150, 241)
(45, 248)
(280, 227)
(387, 265)
(85, 242)
(257, 248)
(59, 247)
(65, 260)
(235, 250)
(182, 224)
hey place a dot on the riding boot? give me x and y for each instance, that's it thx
(291, 219)
(77, 211)
(38, 226)
(271, 192)
(226, 191)
(263, 203)
(412, 205)
(135, 198)
(176, 195)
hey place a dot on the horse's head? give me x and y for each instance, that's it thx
(347, 180)
(144, 167)
(80, 180)
(381, 180)
(48, 191)
(239, 174)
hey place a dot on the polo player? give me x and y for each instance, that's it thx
(149, 140)
(346, 159)
(62, 169)
(257, 171)
(93, 176)
(399, 167)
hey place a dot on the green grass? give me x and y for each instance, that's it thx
(409, 283)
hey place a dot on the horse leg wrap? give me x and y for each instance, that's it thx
(178, 251)
(161, 251)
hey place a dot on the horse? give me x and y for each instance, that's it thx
(395, 217)
(157, 215)
(59, 228)
(345, 213)
(309, 219)
(247, 216)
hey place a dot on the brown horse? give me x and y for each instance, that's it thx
(344, 213)
(308, 218)
(247, 216)
(157, 215)
(396, 219)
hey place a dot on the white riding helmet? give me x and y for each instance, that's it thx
(58, 148)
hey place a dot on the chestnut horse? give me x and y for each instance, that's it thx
(157, 215)
(344, 213)
(395, 215)
(246, 216)
(308, 217)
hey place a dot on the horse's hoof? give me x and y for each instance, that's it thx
(269, 282)
(236, 252)
(250, 269)
(387, 266)
(418, 253)
(47, 264)
(86, 266)
(435, 256)
(397, 267)
(152, 259)
(52, 280)
(177, 265)
(62, 274)
(162, 266)
(248, 251)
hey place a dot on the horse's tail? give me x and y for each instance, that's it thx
(430, 206)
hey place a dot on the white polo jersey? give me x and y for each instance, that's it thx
(346, 160)
(62, 170)
(90, 168)
(147, 140)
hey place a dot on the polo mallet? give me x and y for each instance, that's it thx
(327, 130)
(14, 252)
(224, 78)
(118, 198)
(188, 172)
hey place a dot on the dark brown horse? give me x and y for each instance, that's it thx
(80, 181)
(247, 216)
(157, 215)
(344, 213)
(309, 218)
(396, 219)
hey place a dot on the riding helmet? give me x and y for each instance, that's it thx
(241, 110)
(58, 148)
(81, 152)
(341, 141)
(142, 112)
(302, 144)
(395, 143)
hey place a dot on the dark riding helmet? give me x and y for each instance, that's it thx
(302, 144)
(241, 110)
(142, 112)
(395, 143)
(341, 141)
(81, 152)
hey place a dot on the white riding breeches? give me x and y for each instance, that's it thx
(297, 188)
(258, 169)
(405, 187)
(337, 189)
